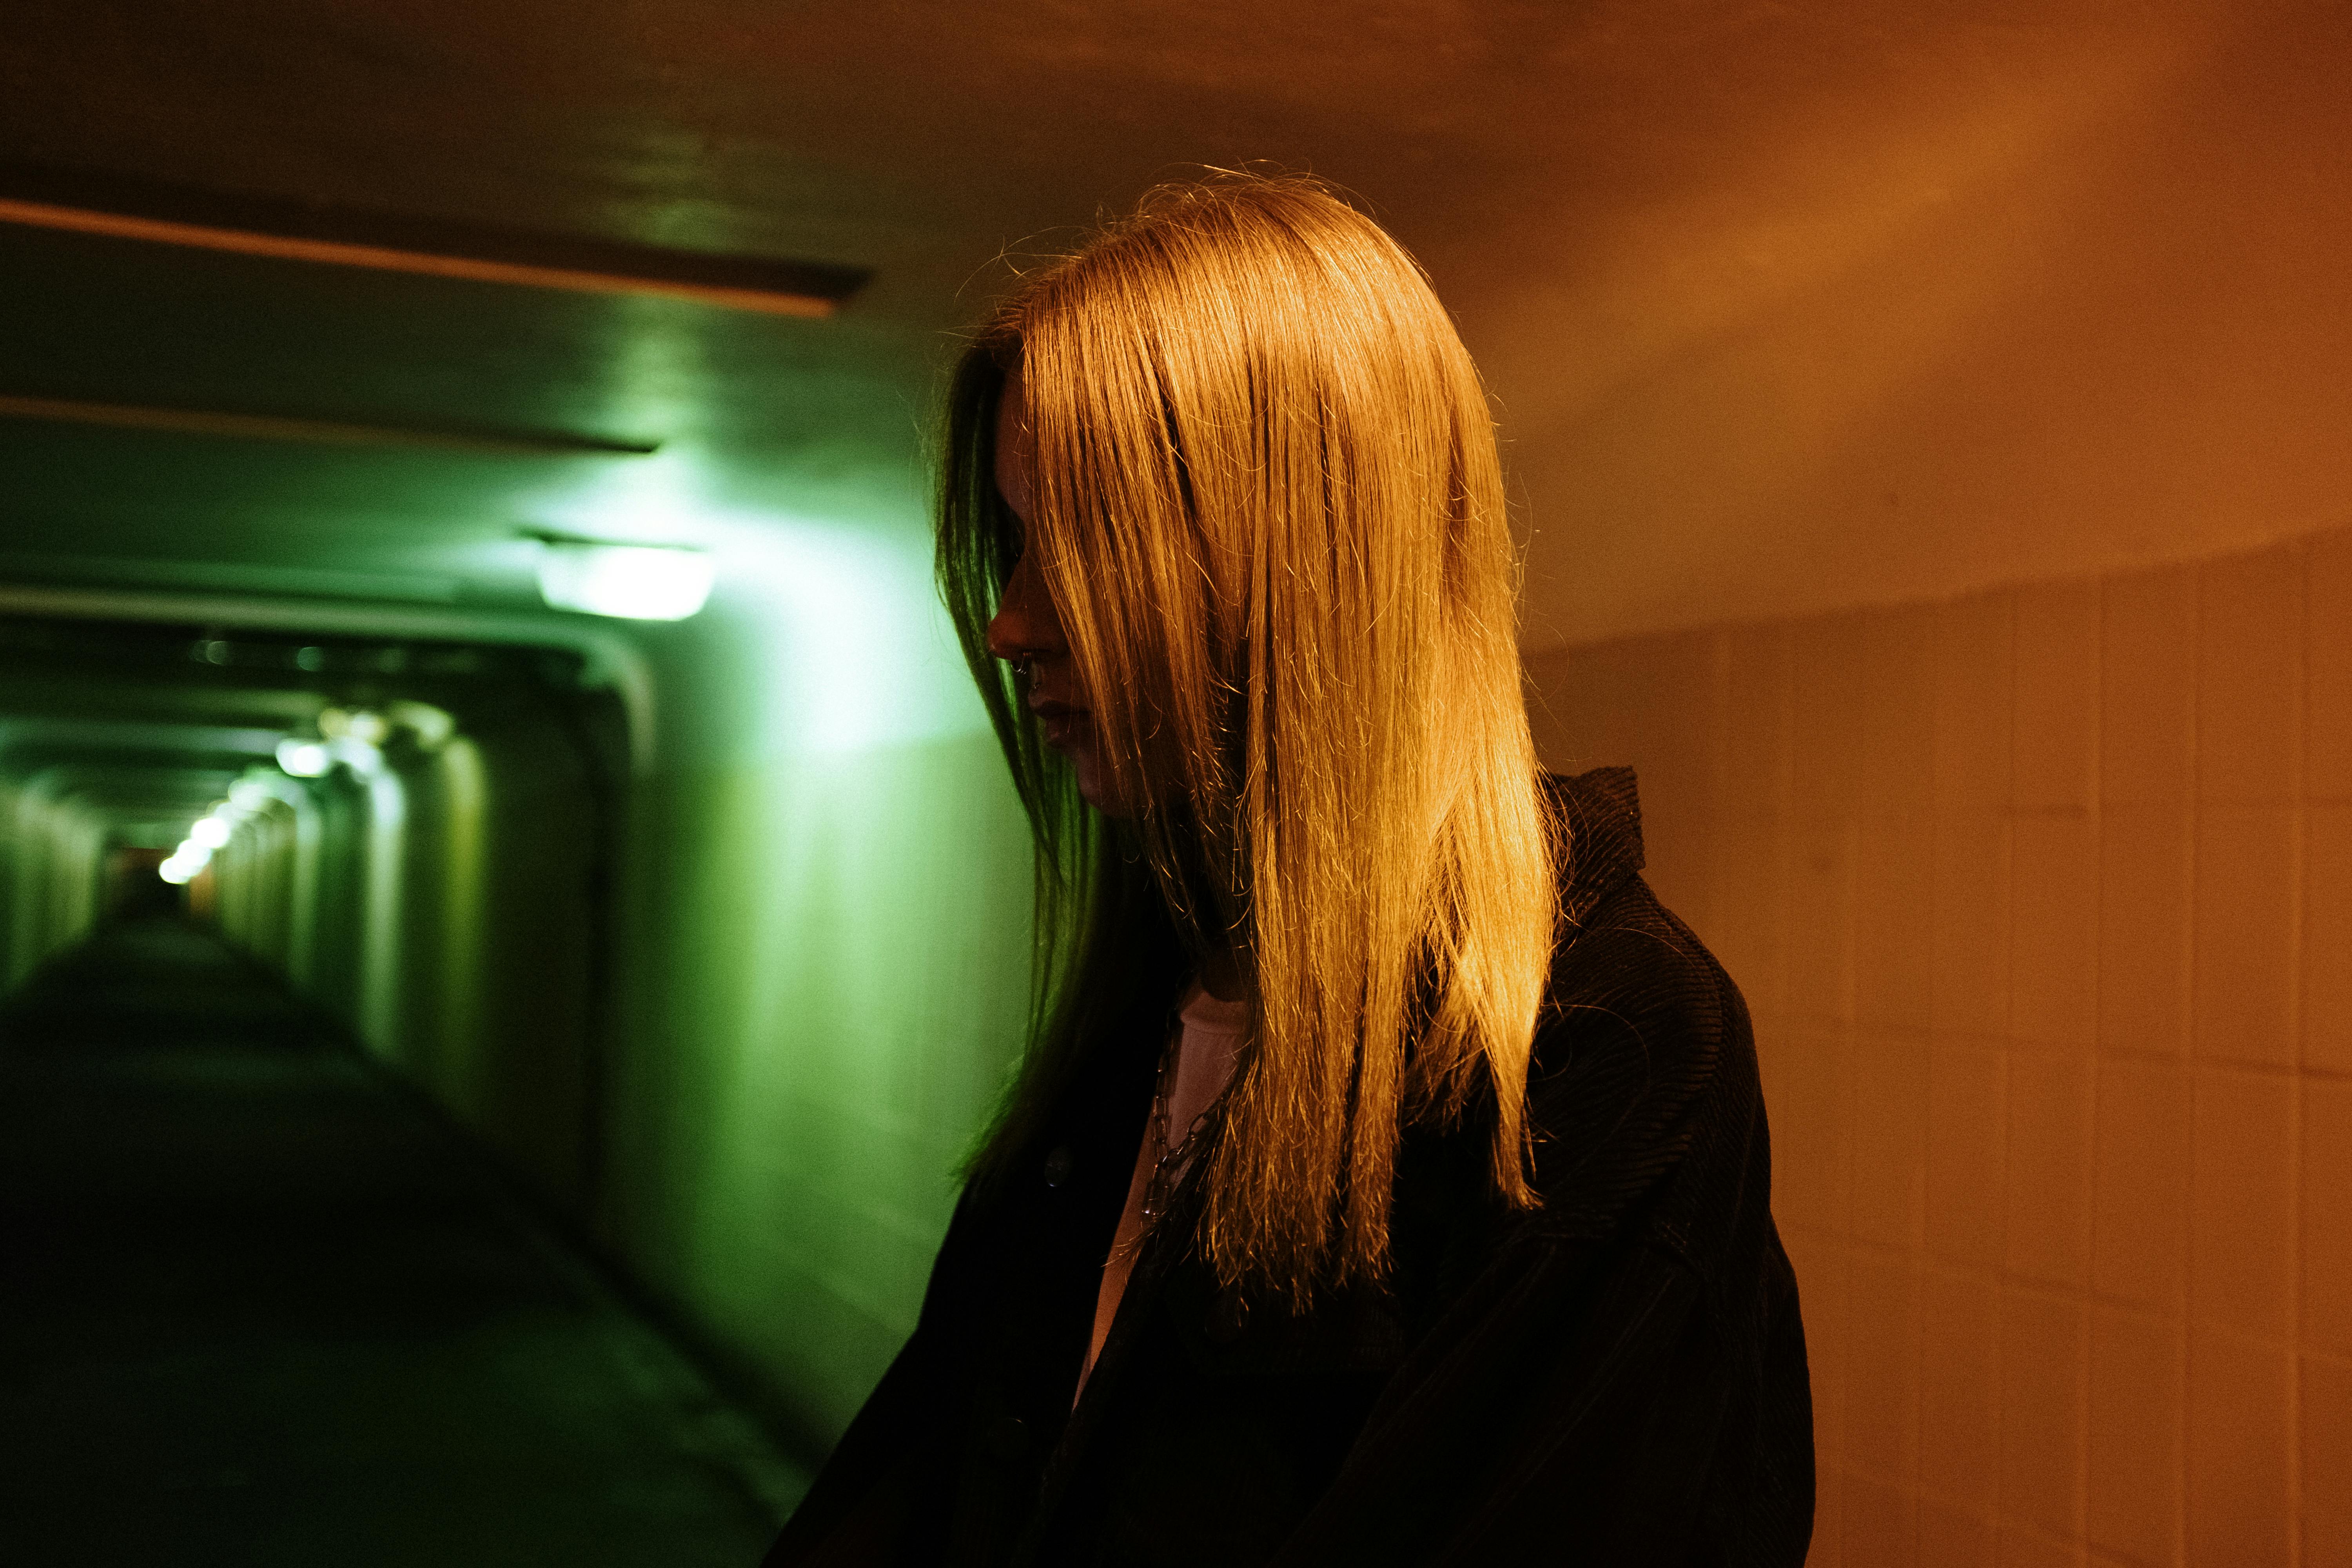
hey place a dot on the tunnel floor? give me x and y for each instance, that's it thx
(259, 1307)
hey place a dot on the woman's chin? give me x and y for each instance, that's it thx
(1094, 780)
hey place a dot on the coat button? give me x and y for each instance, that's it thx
(1057, 1165)
(1007, 1439)
(1228, 1315)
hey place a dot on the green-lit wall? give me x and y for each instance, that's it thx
(52, 849)
(824, 957)
(828, 975)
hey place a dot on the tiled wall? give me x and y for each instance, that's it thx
(2042, 900)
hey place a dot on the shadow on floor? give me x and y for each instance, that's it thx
(257, 1307)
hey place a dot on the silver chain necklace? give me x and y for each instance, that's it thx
(1168, 1165)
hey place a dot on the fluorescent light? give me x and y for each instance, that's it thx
(186, 861)
(357, 754)
(361, 725)
(636, 582)
(304, 759)
(209, 831)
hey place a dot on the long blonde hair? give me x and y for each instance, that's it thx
(1270, 510)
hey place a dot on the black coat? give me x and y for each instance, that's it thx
(1615, 1377)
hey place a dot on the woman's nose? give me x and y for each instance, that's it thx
(1024, 625)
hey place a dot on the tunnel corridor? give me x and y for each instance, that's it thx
(264, 1305)
(513, 916)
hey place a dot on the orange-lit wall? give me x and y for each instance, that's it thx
(2042, 900)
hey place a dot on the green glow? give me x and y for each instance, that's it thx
(382, 988)
(844, 981)
(55, 842)
(456, 997)
(631, 582)
(825, 968)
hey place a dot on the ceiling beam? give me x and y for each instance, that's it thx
(81, 202)
(320, 432)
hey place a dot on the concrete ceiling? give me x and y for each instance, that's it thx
(1786, 305)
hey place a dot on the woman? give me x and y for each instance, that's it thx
(1385, 1180)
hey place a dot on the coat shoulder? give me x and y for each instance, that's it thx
(1644, 1079)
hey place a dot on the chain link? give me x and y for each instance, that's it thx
(1169, 1167)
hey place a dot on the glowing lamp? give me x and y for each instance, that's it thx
(360, 757)
(304, 759)
(209, 831)
(635, 581)
(186, 861)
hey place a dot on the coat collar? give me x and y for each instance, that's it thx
(1602, 816)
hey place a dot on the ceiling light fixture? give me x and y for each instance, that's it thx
(632, 581)
(304, 759)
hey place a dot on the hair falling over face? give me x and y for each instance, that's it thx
(1268, 507)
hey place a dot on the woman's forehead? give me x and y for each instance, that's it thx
(1015, 459)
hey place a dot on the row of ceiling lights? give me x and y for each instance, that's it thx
(247, 797)
(352, 738)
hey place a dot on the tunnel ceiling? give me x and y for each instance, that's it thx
(152, 326)
(1607, 193)
(150, 722)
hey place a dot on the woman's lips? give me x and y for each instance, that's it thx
(1059, 722)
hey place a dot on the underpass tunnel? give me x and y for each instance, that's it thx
(659, 972)
(298, 1154)
(417, 839)
(561, 677)
(512, 914)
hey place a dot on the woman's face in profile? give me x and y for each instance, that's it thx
(1027, 628)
